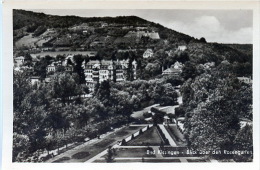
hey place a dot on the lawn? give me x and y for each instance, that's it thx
(130, 129)
(150, 137)
(104, 142)
(80, 155)
(27, 40)
(41, 41)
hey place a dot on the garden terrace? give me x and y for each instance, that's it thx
(97, 146)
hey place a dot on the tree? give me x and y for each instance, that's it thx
(60, 57)
(78, 68)
(213, 108)
(189, 71)
(103, 92)
(60, 69)
(203, 40)
(244, 142)
(50, 143)
(110, 154)
(21, 87)
(169, 96)
(212, 127)
(152, 69)
(64, 87)
(20, 145)
(27, 57)
(179, 111)
(95, 109)
(40, 66)
(121, 102)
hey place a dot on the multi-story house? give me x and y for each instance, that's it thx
(148, 53)
(98, 71)
(51, 67)
(182, 48)
(246, 80)
(175, 69)
(18, 61)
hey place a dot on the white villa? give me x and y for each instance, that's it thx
(246, 80)
(35, 80)
(175, 69)
(19, 61)
(182, 47)
(148, 53)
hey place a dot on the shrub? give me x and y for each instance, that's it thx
(123, 143)
(147, 115)
(140, 131)
(39, 31)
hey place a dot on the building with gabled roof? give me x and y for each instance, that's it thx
(35, 80)
(148, 53)
(182, 48)
(19, 60)
(100, 70)
(175, 69)
(246, 80)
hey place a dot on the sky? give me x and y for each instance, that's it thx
(222, 26)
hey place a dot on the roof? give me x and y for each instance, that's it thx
(172, 70)
(149, 51)
(148, 119)
(177, 64)
(181, 118)
(19, 58)
(166, 117)
(243, 78)
(35, 77)
(52, 64)
(108, 62)
(92, 62)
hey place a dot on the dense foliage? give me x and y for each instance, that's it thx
(214, 103)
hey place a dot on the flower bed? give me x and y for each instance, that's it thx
(80, 155)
